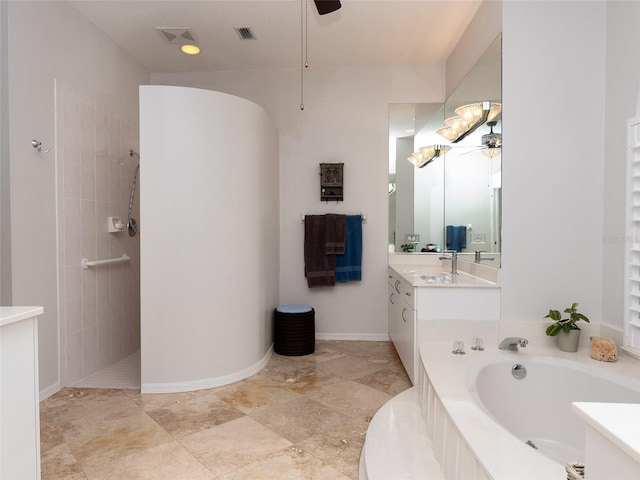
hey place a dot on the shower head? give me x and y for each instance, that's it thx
(133, 153)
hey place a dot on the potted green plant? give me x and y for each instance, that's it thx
(565, 329)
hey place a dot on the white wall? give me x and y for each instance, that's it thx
(345, 120)
(209, 237)
(553, 157)
(50, 40)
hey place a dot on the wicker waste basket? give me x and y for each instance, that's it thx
(294, 330)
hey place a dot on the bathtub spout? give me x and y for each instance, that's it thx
(511, 343)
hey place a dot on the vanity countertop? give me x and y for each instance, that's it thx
(618, 422)
(436, 276)
(9, 315)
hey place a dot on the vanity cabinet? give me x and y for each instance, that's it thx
(402, 321)
(19, 393)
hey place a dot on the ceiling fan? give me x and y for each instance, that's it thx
(491, 142)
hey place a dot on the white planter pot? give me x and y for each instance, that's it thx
(568, 341)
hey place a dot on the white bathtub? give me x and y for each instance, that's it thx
(479, 417)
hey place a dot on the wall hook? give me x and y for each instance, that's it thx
(38, 146)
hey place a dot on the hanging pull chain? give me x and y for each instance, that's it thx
(304, 62)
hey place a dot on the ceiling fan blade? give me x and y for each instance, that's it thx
(327, 6)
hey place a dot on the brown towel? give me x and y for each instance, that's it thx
(319, 268)
(335, 234)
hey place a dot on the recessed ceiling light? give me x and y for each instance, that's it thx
(190, 49)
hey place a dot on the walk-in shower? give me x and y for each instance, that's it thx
(132, 225)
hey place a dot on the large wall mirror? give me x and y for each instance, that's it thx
(448, 194)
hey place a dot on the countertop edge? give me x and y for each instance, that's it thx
(9, 315)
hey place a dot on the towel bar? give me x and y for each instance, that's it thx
(86, 263)
(363, 216)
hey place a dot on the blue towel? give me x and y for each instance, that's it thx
(349, 265)
(456, 238)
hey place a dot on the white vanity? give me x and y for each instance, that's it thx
(19, 393)
(423, 291)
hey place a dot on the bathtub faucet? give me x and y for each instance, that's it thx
(453, 256)
(511, 343)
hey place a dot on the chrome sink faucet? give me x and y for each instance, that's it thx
(511, 343)
(479, 257)
(453, 256)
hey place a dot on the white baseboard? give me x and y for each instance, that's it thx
(203, 384)
(50, 390)
(369, 337)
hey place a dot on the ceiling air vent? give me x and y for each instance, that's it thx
(176, 35)
(245, 33)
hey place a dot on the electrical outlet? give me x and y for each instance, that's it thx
(478, 238)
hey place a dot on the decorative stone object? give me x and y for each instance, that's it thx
(603, 349)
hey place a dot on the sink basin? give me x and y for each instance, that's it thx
(437, 277)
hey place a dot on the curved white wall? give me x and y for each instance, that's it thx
(209, 223)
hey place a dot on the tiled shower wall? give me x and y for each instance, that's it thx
(99, 307)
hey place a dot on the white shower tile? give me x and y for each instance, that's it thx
(88, 213)
(103, 244)
(90, 341)
(88, 132)
(115, 188)
(72, 179)
(74, 356)
(103, 281)
(114, 149)
(89, 282)
(103, 305)
(104, 342)
(102, 136)
(115, 245)
(102, 214)
(72, 248)
(72, 215)
(71, 153)
(102, 183)
(116, 300)
(89, 365)
(89, 310)
(88, 186)
(89, 245)
(73, 315)
(117, 352)
(115, 329)
(73, 284)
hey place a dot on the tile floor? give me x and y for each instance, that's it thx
(299, 418)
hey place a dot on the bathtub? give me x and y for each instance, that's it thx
(479, 417)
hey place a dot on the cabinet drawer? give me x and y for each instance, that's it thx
(396, 282)
(409, 294)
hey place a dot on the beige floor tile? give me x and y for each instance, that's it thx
(108, 440)
(351, 367)
(299, 419)
(201, 411)
(254, 393)
(59, 463)
(170, 461)
(392, 380)
(290, 464)
(233, 445)
(351, 398)
(339, 448)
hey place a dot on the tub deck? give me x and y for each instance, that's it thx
(455, 432)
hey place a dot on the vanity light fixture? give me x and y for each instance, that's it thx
(190, 49)
(492, 152)
(425, 155)
(468, 118)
